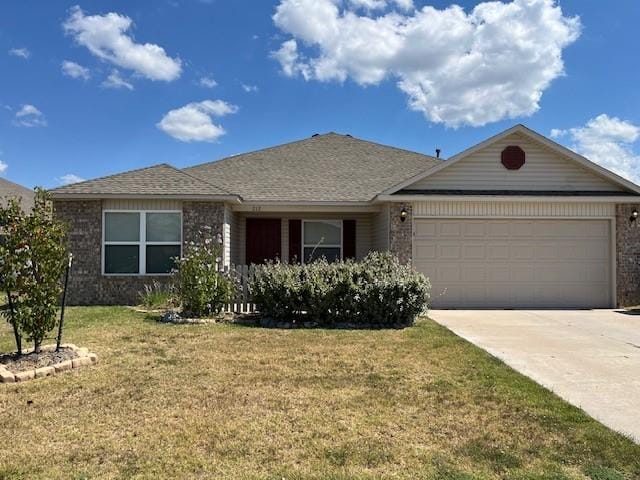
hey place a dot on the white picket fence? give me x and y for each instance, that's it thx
(242, 302)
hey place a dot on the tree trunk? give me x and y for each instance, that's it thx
(36, 346)
(16, 332)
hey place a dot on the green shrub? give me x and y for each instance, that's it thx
(32, 262)
(378, 291)
(158, 295)
(201, 288)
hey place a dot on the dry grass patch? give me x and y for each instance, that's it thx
(224, 401)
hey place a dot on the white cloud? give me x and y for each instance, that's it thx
(29, 116)
(457, 68)
(74, 70)
(193, 122)
(608, 141)
(70, 178)
(249, 88)
(368, 4)
(105, 36)
(290, 60)
(3, 167)
(207, 82)
(20, 52)
(114, 80)
(404, 4)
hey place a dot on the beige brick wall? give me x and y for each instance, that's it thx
(401, 233)
(87, 285)
(627, 256)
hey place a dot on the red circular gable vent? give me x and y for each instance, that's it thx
(512, 157)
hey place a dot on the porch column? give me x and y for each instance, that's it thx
(401, 232)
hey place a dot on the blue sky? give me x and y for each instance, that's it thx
(348, 66)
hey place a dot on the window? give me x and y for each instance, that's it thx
(321, 238)
(141, 243)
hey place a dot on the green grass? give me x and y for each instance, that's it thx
(231, 402)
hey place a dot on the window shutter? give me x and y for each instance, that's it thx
(349, 239)
(295, 240)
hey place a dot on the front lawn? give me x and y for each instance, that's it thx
(233, 402)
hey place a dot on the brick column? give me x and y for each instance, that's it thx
(401, 233)
(627, 256)
(196, 215)
(84, 222)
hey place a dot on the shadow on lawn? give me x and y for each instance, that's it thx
(254, 320)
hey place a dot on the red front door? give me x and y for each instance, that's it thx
(263, 239)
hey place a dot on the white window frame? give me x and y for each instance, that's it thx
(141, 243)
(328, 220)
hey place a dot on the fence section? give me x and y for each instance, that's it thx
(242, 303)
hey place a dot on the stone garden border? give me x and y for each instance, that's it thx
(84, 358)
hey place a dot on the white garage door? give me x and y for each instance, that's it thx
(515, 263)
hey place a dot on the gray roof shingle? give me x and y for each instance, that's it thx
(13, 190)
(329, 167)
(160, 179)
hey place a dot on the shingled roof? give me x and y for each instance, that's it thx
(323, 168)
(329, 167)
(157, 180)
(13, 190)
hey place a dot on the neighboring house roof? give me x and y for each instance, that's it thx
(13, 190)
(329, 167)
(404, 187)
(157, 180)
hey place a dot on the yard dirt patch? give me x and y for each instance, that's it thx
(235, 402)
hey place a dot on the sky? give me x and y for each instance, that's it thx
(93, 88)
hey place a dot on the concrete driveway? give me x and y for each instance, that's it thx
(591, 358)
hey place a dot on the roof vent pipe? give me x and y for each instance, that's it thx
(437, 153)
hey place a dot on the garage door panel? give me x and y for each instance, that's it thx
(521, 252)
(515, 263)
(498, 273)
(474, 273)
(474, 252)
(448, 274)
(522, 273)
(522, 229)
(498, 229)
(546, 251)
(426, 251)
(474, 229)
(425, 229)
(497, 251)
(449, 252)
(452, 229)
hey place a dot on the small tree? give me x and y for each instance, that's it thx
(32, 261)
(202, 289)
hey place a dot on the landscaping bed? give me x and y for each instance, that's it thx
(30, 365)
(226, 401)
(30, 361)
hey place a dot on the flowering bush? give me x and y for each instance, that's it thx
(378, 291)
(32, 261)
(201, 288)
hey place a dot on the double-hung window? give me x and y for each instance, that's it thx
(321, 238)
(141, 242)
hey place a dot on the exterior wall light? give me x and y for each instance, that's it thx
(404, 213)
(633, 217)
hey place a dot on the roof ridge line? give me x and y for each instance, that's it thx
(201, 180)
(231, 157)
